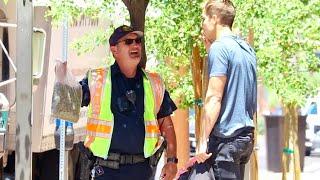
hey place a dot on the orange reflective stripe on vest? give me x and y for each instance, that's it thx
(152, 129)
(100, 128)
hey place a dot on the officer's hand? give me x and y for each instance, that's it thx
(169, 171)
(61, 70)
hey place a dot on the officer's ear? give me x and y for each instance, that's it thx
(114, 50)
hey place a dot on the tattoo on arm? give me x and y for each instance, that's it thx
(167, 130)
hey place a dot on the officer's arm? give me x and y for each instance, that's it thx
(167, 130)
(166, 125)
(85, 92)
(169, 170)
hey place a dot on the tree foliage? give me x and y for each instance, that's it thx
(183, 34)
(112, 13)
(171, 36)
(286, 39)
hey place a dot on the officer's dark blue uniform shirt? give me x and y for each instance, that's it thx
(128, 132)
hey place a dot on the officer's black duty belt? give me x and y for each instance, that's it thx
(115, 159)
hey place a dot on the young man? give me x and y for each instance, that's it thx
(128, 111)
(231, 98)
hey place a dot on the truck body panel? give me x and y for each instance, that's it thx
(43, 125)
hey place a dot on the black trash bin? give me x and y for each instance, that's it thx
(274, 140)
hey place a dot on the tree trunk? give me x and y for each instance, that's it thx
(290, 155)
(296, 154)
(254, 170)
(285, 157)
(196, 67)
(137, 11)
(180, 121)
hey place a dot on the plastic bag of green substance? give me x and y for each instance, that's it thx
(67, 95)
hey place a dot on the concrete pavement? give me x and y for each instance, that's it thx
(311, 165)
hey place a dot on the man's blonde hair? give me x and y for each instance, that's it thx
(223, 9)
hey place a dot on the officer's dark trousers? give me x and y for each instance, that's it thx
(138, 171)
(229, 155)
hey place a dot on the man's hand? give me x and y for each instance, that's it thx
(202, 157)
(207, 43)
(169, 171)
(202, 154)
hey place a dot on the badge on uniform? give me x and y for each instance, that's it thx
(98, 170)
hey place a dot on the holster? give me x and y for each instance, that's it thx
(154, 159)
(87, 160)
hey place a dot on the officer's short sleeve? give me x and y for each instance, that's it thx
(85, 92)
(218, 59)
(167, 106)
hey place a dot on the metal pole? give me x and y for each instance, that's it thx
(23, 152)
(63, 155)
(62, 159)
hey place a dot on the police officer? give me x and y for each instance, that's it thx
(128, 114)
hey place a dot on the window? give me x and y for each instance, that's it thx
(4, 62)
(38, 46)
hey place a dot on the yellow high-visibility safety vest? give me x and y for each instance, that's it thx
(100, 118)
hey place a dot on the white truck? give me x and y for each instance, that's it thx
(313, 124)
(47, 42)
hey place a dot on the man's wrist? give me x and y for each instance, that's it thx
(172, 160)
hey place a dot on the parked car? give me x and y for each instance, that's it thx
(313, 126)
(192, 140)
(192, 132)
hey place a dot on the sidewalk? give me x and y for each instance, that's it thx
(311, 165)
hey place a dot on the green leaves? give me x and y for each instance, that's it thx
(77, 8)
(286, 38)
(90, 41)
(175, 31)
(172, 35)
(104, 10)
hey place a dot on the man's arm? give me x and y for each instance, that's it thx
(212, 102)
(211, 113)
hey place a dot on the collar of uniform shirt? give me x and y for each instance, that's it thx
(115, 71)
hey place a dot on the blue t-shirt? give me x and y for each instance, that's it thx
(232, 57)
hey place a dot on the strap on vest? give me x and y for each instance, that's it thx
(158, 88)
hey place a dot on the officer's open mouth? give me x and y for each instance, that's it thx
(134, 53)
